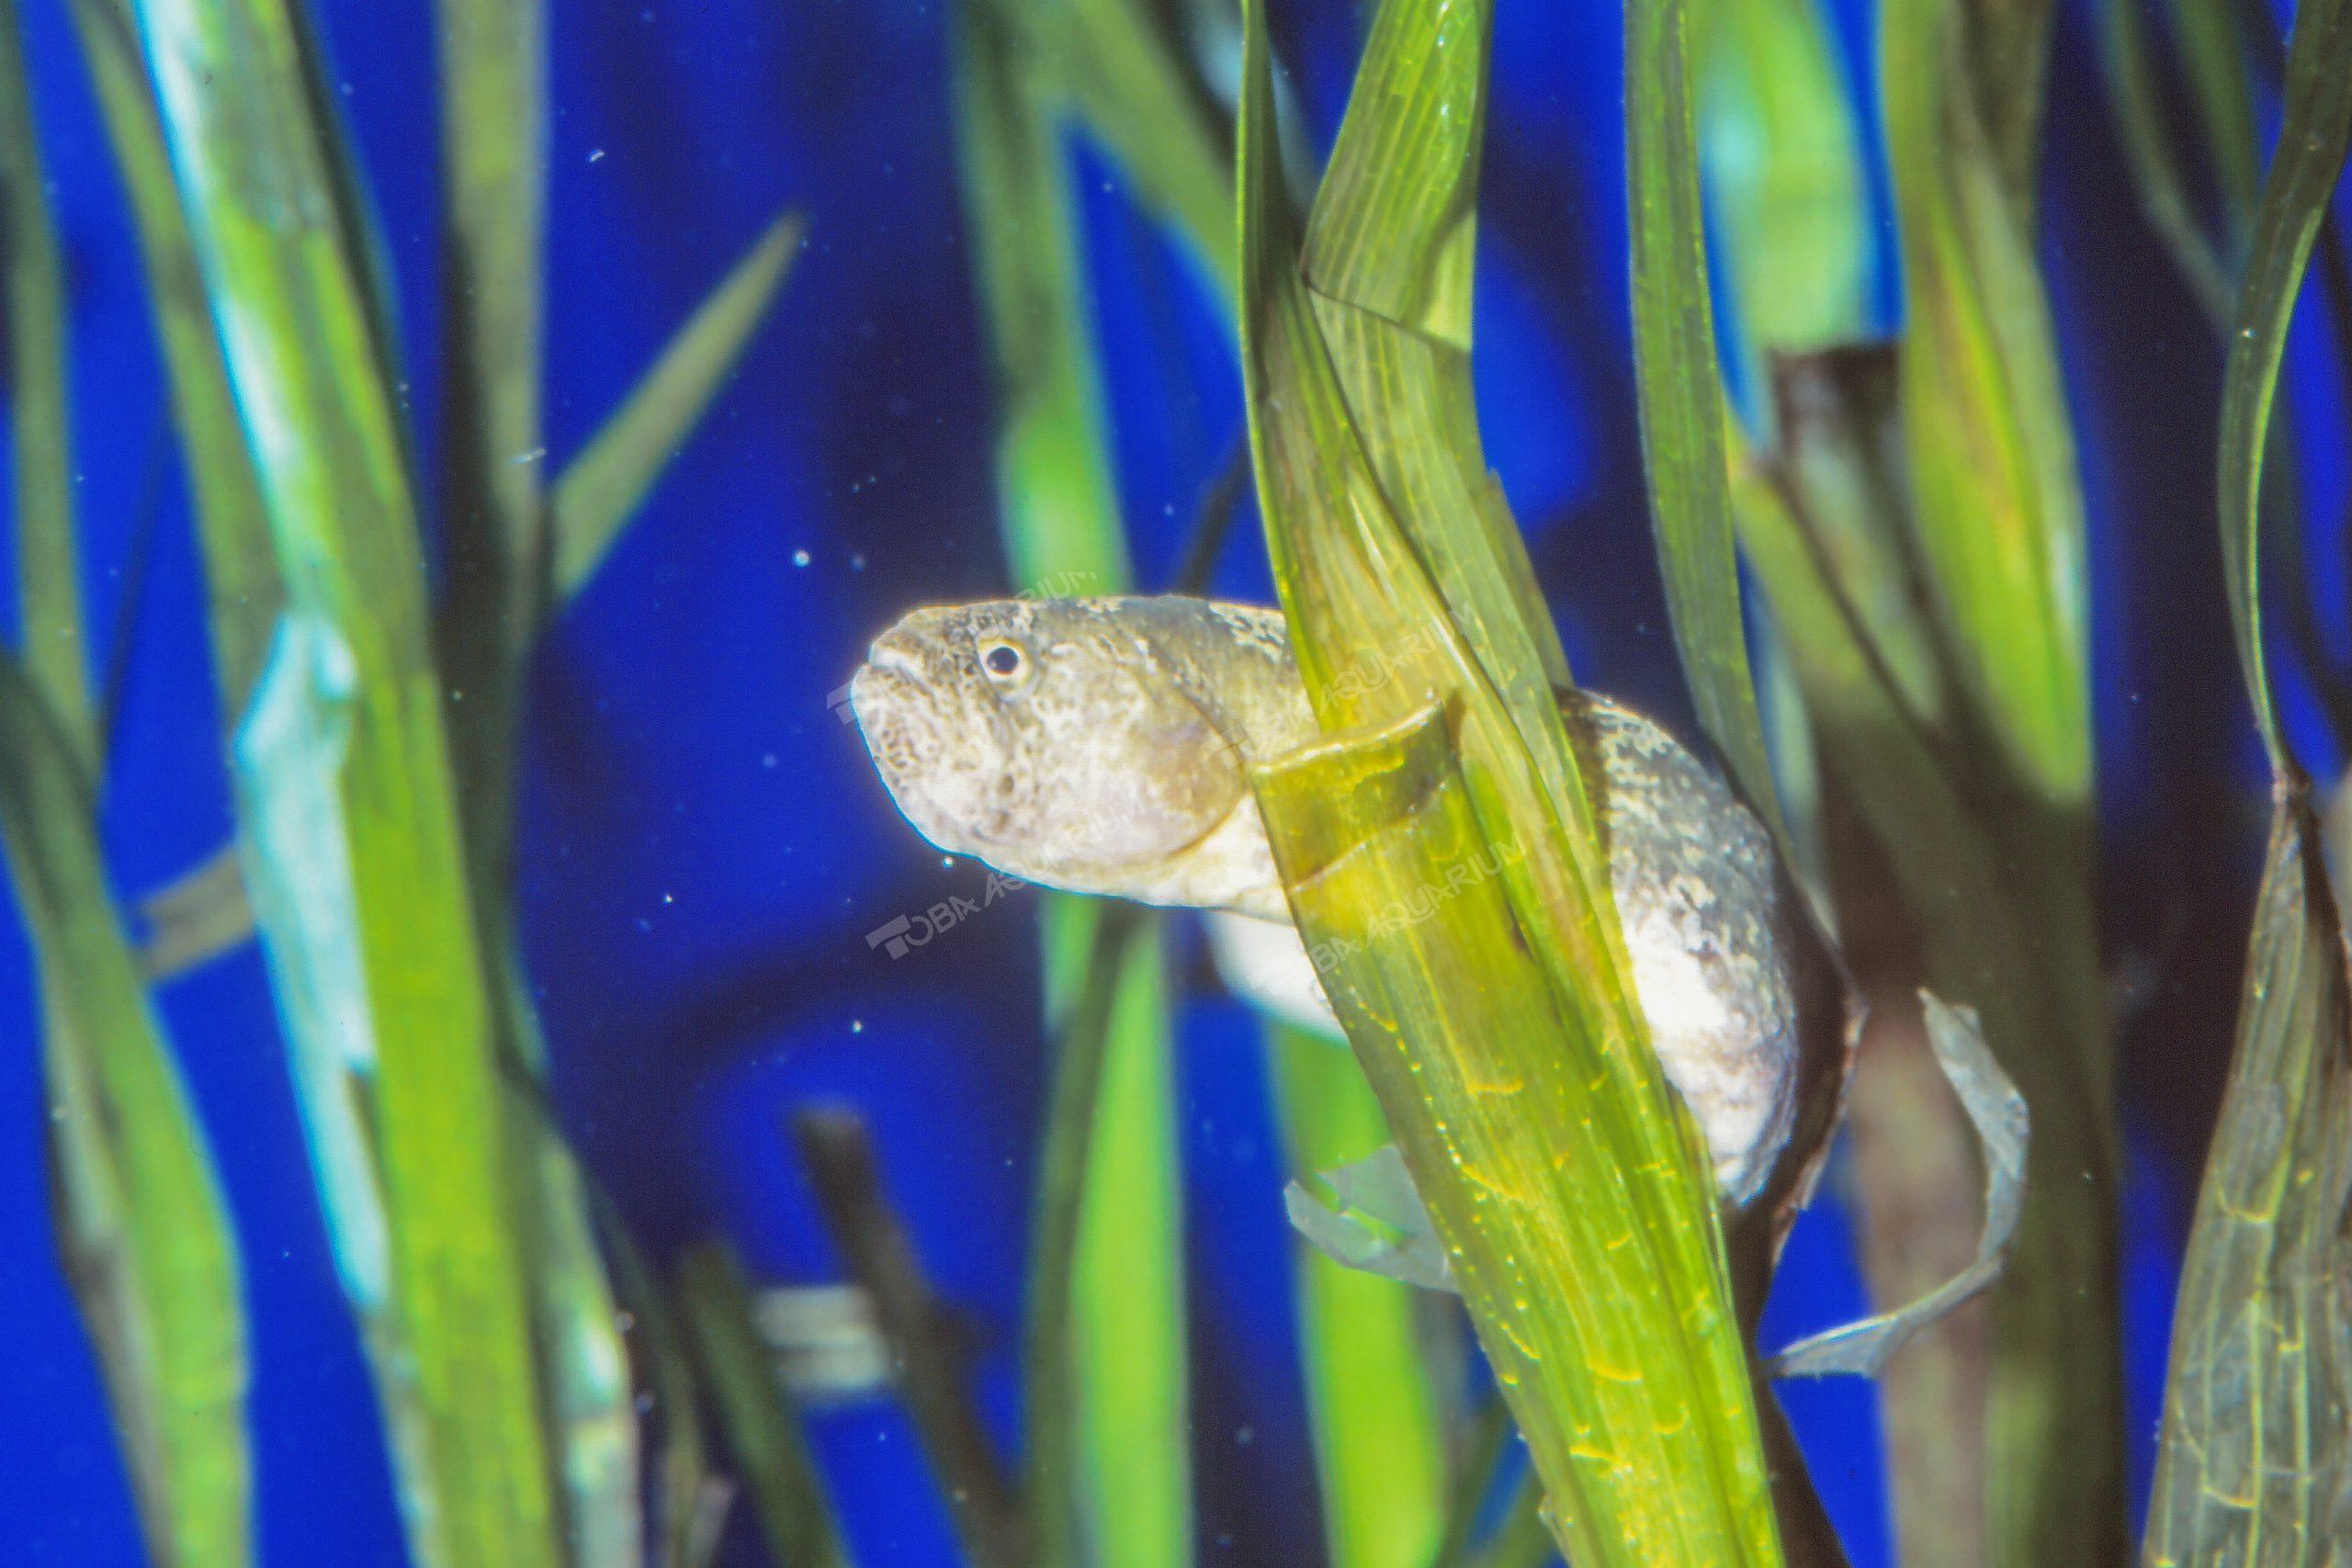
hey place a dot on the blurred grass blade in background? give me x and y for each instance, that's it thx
(1995, 517)
(141, 1220)
(1783, 175)
(1999, 513)
(759, 1428)
(258, 171)
(1129, 73)
(601, 487)
(2254, 1458)
(49, 586)
(2153, 153)
(1497, 1030)
(1107, 1459)
(242, 585)
(496, 522)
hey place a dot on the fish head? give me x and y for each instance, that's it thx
(1046, 738)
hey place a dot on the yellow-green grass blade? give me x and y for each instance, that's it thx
(241, 574)
(255, 165)
(762, 1434)
(602, 487)
(1998, 510)
(1682, 394)
(48, 577)
(1996, 516)
(1459, 1031)
(2295, 194)
(1783, 175)
(1386, 264)
(1379, 1445)
(1107, 1460)
(142, 1223)
(1497, 1030)
(2256, 1443)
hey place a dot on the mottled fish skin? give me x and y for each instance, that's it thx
(1101, 744)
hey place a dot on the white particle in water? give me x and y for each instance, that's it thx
(596, 156)
(800, 557)
(857, 1026)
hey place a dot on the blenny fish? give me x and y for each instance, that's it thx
(1101, 746)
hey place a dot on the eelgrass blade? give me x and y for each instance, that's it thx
(1107, 1462)
(49, 575)
(1460, 1034)
(367, 761)
(1057, 510)
(2154, 155)
(600, 488)
(2006, 62)
(1995, 515)
(493, 194)
(1128, 76)
(2295, 193)
(590, 1409)
(240, 572)
(1497, 1032)
(761, 1433)
(1379, 1444)
(195, 917)
(846, 1174)
(1781, 155)
(1682, 394)
(142, 1223)
(682, 1483)
(2211, 42)
(496, 522)
(1909, 1144)
(2255, 1462)
(1990, 445)
(493, 179)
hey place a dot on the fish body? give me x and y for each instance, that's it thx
(1102, 746)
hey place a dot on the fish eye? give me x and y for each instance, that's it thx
(1003, 661)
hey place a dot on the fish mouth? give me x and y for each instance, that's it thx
(888, 696)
